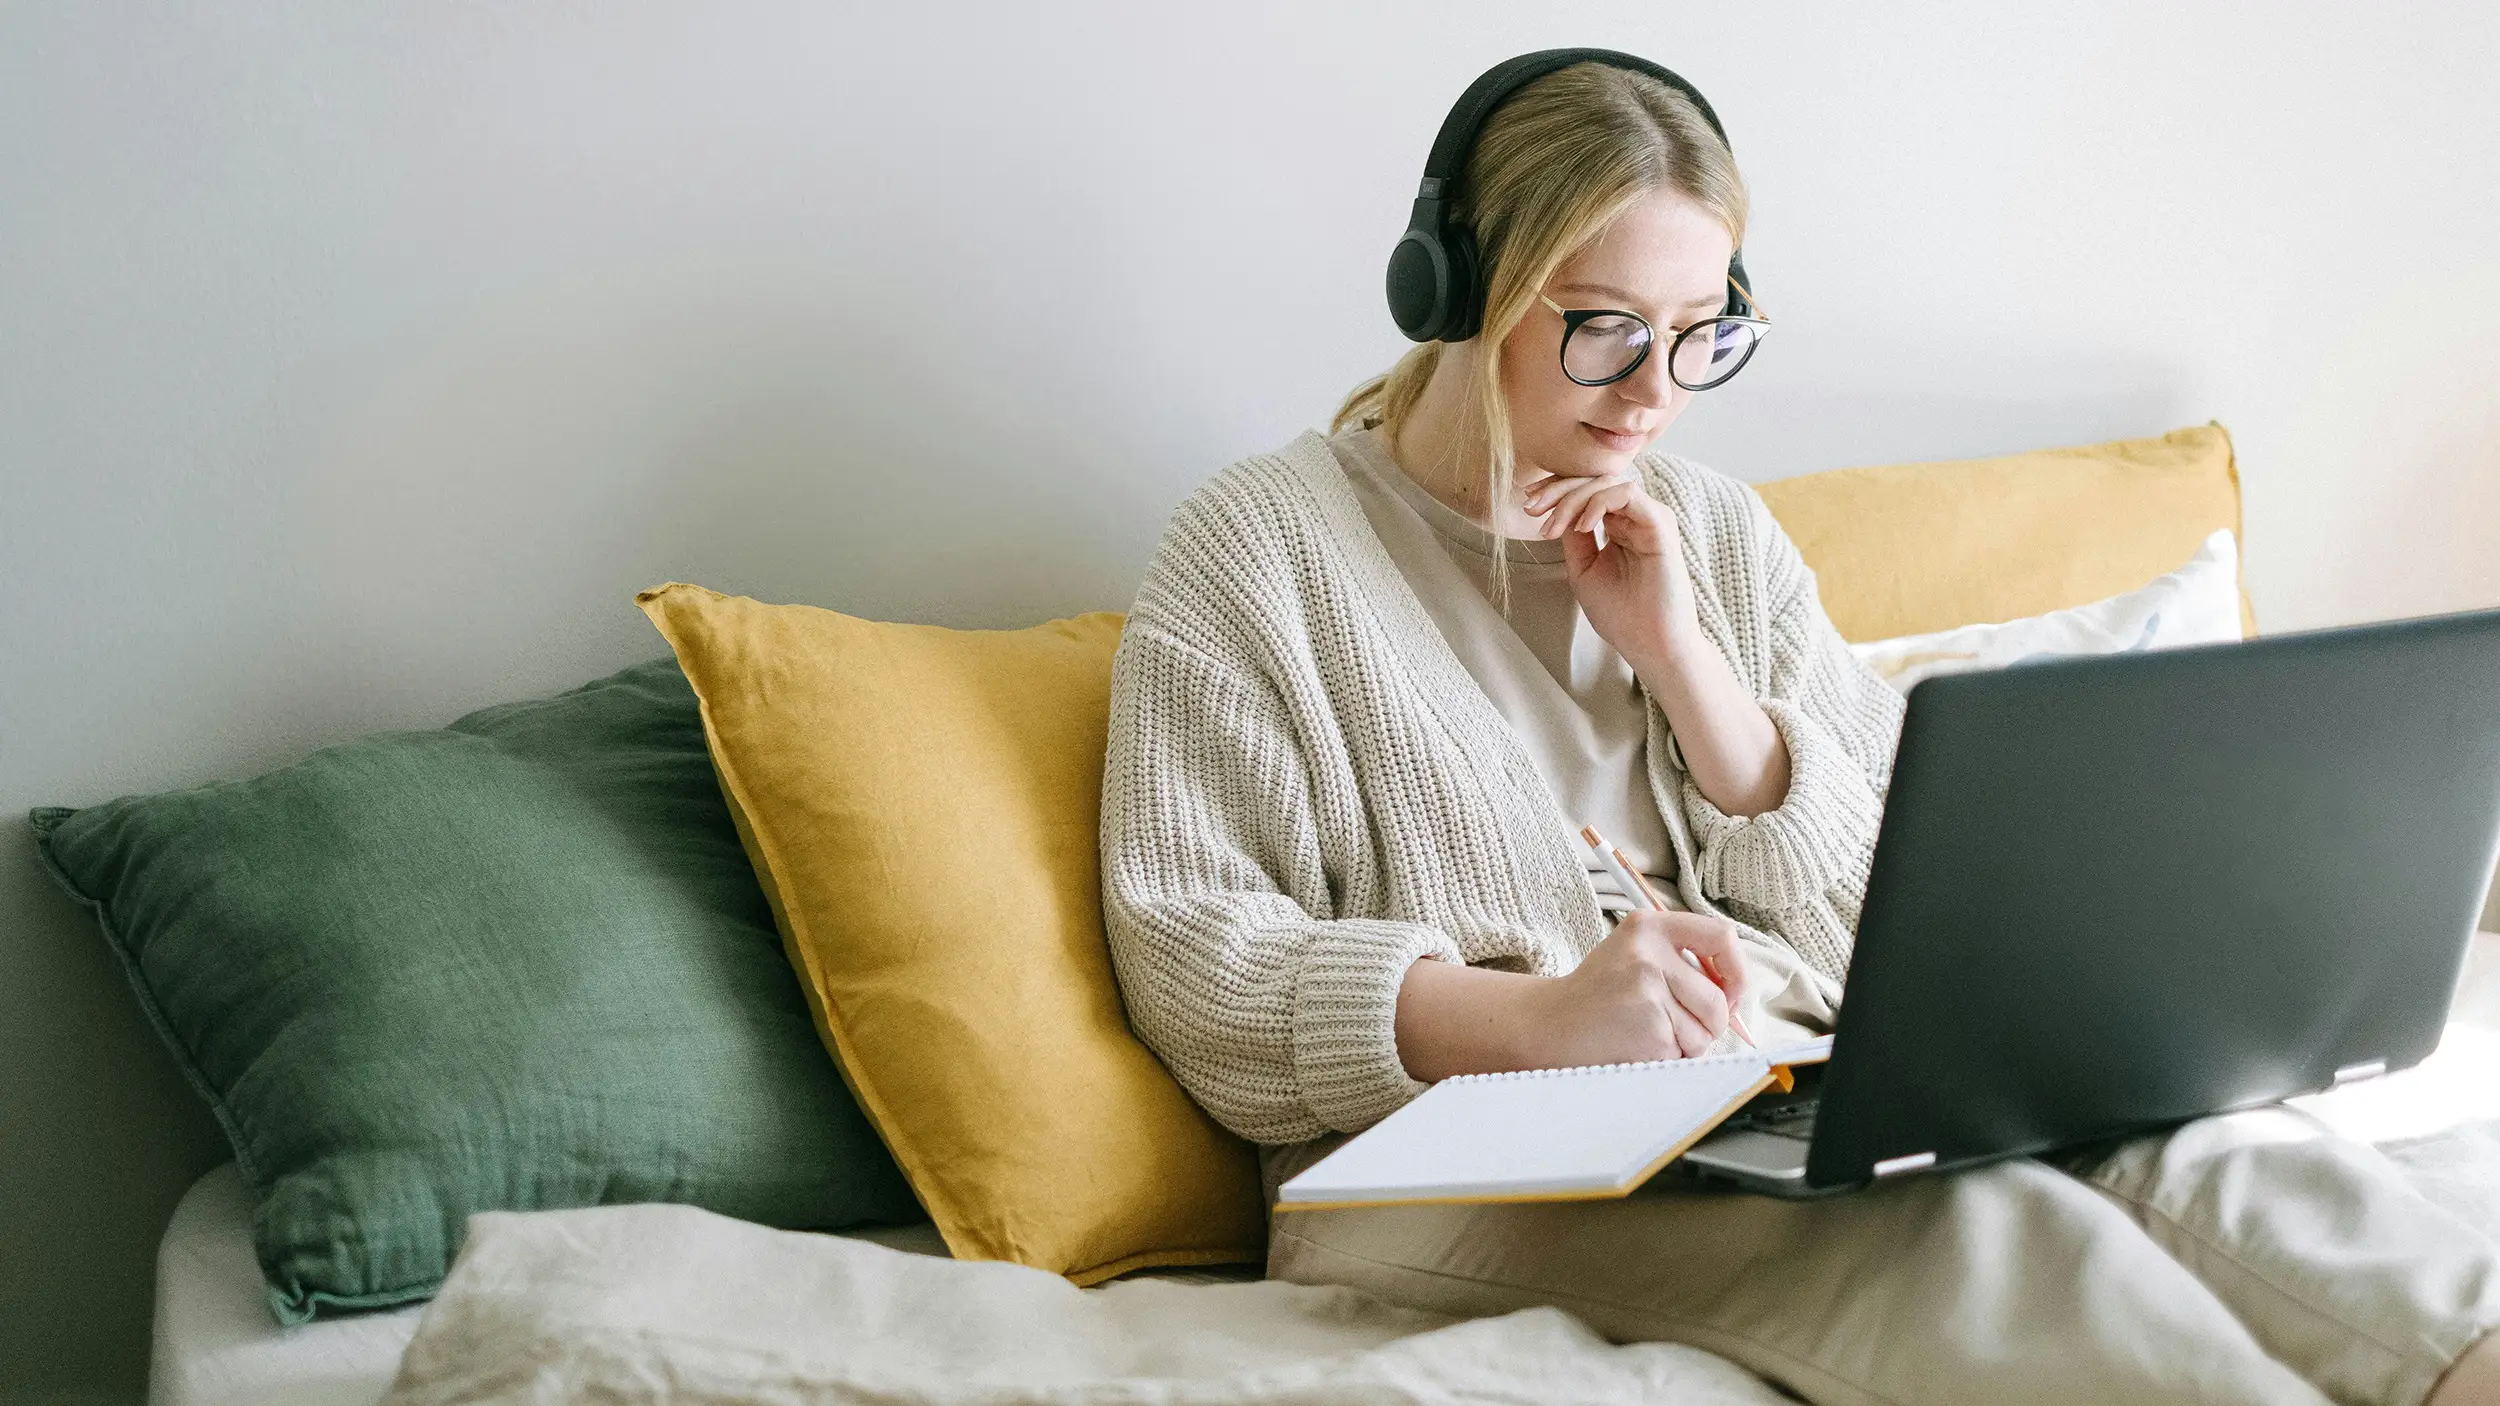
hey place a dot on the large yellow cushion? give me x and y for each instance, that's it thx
(1908, 549)
(922, 806)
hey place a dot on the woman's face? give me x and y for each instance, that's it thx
(1666, 259)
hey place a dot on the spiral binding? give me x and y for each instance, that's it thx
(1738, 1057)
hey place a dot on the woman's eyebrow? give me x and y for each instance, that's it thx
(1627, 296)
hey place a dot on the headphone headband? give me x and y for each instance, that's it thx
(1436, 287)
(1457, 138)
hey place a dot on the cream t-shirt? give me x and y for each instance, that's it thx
(1570, 696)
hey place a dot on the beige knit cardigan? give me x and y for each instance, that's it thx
(1305, 791)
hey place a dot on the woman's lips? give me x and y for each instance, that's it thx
(1617, 440)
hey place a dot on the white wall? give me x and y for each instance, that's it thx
(357, 362)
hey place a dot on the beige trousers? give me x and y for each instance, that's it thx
(2254, 1258)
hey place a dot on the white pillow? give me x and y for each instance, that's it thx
(2197, 604)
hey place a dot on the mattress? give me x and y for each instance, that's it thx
(217, 1345)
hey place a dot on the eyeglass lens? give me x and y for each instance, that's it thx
(1602, 348)
(1707, 353)
(1606, 347)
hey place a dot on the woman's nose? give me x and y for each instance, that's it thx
(1649, 386)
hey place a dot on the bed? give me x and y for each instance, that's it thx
(217, 1345)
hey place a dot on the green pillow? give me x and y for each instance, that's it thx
(519, 963)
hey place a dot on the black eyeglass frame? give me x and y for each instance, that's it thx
(1574, 318)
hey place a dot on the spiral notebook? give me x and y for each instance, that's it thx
(1541, 1134)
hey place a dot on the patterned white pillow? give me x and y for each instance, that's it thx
(2197, 604)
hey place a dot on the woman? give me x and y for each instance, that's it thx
(1375, 683)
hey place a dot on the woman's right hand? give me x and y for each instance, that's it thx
(1635, 996)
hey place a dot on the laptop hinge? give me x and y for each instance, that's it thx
(1914, 1162)
(2355, 1073)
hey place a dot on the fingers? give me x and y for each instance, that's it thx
(1644, 959)
(1571, 505)
(1543, 494)
(1715, 942)
(1697, 998)
(1563, 506)
(1580, 552)
(1596, 505)
(1691, 1038)
(1728, 974)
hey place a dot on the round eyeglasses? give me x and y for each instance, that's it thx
(1601, 346)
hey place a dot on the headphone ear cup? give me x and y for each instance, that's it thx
(1736, 304)
(1466, 285)
(1419, 285)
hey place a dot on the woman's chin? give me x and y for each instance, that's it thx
(1586, 459)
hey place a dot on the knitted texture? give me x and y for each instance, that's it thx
(1305, 791)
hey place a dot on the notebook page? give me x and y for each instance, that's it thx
(1814, 1051)
(1546, 1132)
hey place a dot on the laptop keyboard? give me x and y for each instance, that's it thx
(1788, 1120)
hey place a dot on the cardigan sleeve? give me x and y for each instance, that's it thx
(1276, 1016)
(1801, 867)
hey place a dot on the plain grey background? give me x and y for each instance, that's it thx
(359, 361)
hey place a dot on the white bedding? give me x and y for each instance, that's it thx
(673, 1306)
(215, 1341)
(216, 1344)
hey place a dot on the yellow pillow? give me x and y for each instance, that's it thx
(922, 806)
(1909, 549)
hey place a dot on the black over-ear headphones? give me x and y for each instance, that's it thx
(1436, 287)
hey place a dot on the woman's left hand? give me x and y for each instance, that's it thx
(1637, 593)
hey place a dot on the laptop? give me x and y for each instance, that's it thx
(2114, 893)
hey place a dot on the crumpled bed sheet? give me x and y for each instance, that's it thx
(669, 1304)
(673, 1306)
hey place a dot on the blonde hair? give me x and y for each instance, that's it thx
(1553, 166)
